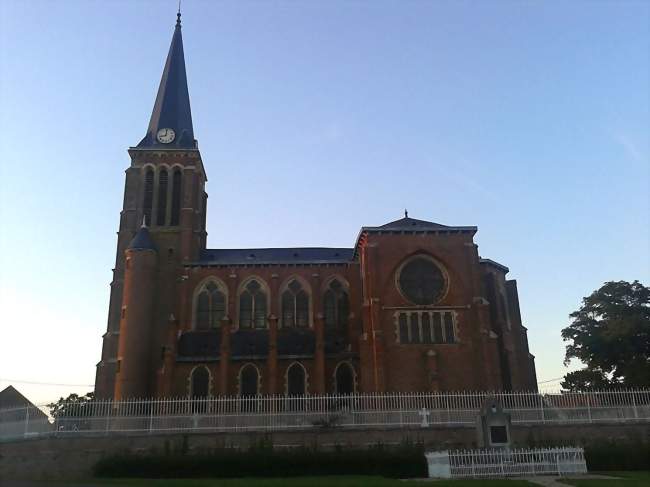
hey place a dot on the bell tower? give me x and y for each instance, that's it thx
(164, 191)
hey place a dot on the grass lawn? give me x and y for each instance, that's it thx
(334, 481)
(628, 479)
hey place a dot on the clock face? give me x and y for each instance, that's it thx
(165, 136)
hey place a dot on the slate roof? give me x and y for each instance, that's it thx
(407, 223)
(319, 255)
(291, 255)
(494, 263)
(412, 225)
(142, 240)
(172, 106)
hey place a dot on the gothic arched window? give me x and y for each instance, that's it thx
(344, 377)
(296, 380)
(176, 197)
(210, 307)
(336, 305)
(252, 306)
(200, 383)
(147, 203)
(161, 214)
(249, 379)
(295, 305)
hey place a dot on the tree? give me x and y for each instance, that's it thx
(610, 334)
(70, 405)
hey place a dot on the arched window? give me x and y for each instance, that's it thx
(344, 378)
(336, 305)
(295, 305)
(210, 307)
(176, 198)
(147, 203)
(252, 306)
(296, 380)
(200, 383)
(161, 214)
(249, 379)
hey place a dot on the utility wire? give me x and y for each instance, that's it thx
(550, 380)
(44, 383)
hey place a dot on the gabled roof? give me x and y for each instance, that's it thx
(10, 398)
(409, 225)
(290, 255)
(172, 106)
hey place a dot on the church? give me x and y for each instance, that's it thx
(409, 307)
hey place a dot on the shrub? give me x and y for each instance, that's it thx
(261, 461)
(610, 455)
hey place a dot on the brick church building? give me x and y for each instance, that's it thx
(411, 306)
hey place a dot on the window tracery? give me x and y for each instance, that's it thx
(295, 305)
(252, 306)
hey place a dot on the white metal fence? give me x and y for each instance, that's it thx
(268, 413)
(506, 463)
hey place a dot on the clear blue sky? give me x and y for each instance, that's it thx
(529, 119)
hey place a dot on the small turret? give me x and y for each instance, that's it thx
(134, 377)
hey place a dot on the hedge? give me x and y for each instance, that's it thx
(406, 461)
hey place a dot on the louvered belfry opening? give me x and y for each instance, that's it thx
(161, 214)
(176, 198)
(148, 196)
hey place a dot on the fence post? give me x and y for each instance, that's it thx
(588, 407)
(26, 421)
(636, 413)
(108, 416)
(541, 407)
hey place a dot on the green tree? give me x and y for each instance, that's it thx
(70, 405)
(610, 334)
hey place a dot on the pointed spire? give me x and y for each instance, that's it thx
(171, 110)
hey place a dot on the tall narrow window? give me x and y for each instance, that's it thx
(403, 329)
(295, 306)
(344, 379)
(210, 307)
(248, 381)
(449, 328)
(176, 198)
(147, 203)
(437, 328)
(252, 306)
(296, 380)
(415, 328)
(200, 383)
(426, 328)
(161, 216)
(204, 210)
(336, 306)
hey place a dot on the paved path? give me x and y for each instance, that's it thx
(557, 481)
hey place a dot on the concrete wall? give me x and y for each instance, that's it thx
(73, 458)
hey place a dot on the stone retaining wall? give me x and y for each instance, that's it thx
(73, 458)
